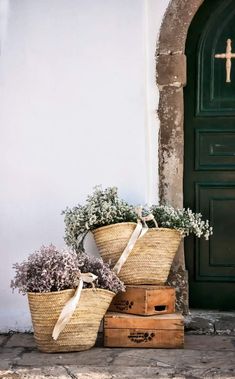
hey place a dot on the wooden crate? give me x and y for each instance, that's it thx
(162, 331)
(145, 300)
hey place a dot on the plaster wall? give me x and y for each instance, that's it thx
(78, 108)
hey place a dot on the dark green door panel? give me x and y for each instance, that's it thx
(215, 149)
(216, 258)
(209, 163)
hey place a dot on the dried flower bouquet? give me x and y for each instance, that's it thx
(114, 224)
(68, 295)
(104, 207)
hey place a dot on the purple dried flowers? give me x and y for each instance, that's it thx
(106, 277)
(47, 270)
(50, 269)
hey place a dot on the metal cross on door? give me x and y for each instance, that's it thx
(228, 56)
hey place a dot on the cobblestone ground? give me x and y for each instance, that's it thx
(204, 356)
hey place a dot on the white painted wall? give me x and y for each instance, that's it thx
(78, 101)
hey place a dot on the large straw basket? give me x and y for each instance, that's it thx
(150, 260)
(81, 331)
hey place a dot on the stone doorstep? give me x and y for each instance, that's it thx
(210, 322)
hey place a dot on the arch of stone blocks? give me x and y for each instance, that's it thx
(171, 78)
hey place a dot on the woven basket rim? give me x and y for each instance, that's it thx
(112, 225)
(70, 289)
(132, 223)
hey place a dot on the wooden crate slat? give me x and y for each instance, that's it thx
(161, 331)
(114, 320)
(149, 338)
(145, 300)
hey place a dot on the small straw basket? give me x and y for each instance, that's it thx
(81, 331)
(151, 258)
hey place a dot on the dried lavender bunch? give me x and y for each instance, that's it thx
(47, 270)
(50, 269)
(107, 279)
(102, 207)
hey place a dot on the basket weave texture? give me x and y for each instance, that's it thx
(81, 331)
(151, 258)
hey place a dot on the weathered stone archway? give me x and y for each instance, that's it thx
(171, 78)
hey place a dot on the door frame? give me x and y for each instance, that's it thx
(171, 78)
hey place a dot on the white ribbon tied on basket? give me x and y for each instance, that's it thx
(140, 230)
(71, 304)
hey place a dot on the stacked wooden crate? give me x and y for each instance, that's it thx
(144, 316)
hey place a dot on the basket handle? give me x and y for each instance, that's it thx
(69, 308)
(137, 233)
(140, 230)
(145, 219)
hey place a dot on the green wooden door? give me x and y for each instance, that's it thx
(209, 162)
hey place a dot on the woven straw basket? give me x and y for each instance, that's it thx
(150, 260)
(81, 331)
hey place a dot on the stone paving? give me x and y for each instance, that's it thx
(204, 356)
(210, 322)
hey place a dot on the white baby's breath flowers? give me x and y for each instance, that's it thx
(104, 207)
(183, 220)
